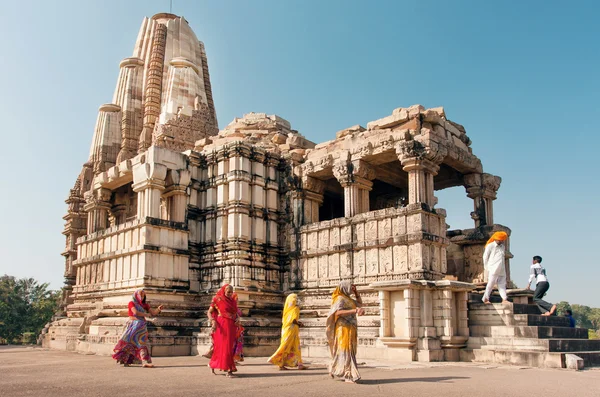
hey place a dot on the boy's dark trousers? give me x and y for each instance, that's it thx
(540, 290)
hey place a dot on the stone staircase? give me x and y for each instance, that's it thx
(518, 334)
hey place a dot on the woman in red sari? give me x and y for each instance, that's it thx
(224, 319)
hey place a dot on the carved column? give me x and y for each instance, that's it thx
(97, 206)
(355, 177)
(426, 254)
(313, 198)
(175, 194)
(149, 182)
(482, 189)
(472, 183)
(363, 175)
(385, 326)
(344, 173)
(490, 184)
(117, 214)
(422, 165)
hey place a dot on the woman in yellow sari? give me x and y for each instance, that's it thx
(341, 332)
(288, 353)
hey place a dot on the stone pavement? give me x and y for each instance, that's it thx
(28, 371)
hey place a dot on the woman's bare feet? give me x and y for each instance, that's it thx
(331, 375)
(302, 366)
(347, 380)
(213, 371)
(487, 302)
(282, 368)
(229, 374)
(148, 365)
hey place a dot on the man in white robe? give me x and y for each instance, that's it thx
(493, 263)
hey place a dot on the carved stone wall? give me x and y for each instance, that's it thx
(238, 218)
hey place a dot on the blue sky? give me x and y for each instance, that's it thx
(521, 76)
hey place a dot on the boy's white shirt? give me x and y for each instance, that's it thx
(541, 277)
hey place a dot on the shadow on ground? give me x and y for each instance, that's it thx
(442, 379)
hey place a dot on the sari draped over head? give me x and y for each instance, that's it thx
(133, 345)
(342, 334)
(238, 354)
(288, 353)
(226, 334)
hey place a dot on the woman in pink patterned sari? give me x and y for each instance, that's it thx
(133, 345)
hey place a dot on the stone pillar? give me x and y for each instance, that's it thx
(385, 326)
(462, 313)
(420, 180)
(350, 199)
(222, 186)
(472, 183)
(239, 195)
(363, 187)
(446, 315)
(490, 184)
(149, 182)
(177, 182)
(117, 214)
(97, 206)
(482, 189)
(355, 177)
(422, 164)
(363, 175)
(343, 172)
(428, 345)
(313, 198)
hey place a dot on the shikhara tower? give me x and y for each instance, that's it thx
(168, 202)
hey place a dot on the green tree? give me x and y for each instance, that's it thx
(594, 318)
(25, 307)
(562, 306)
(582, 314)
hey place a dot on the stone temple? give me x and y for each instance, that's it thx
(169, 202)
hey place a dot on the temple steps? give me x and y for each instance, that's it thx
(524, 331)
(517, 334)
(533, 344)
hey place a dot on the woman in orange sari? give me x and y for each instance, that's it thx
(342, 332)
(288, 353)
(224, 318)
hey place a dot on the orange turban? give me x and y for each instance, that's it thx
(497, 236)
